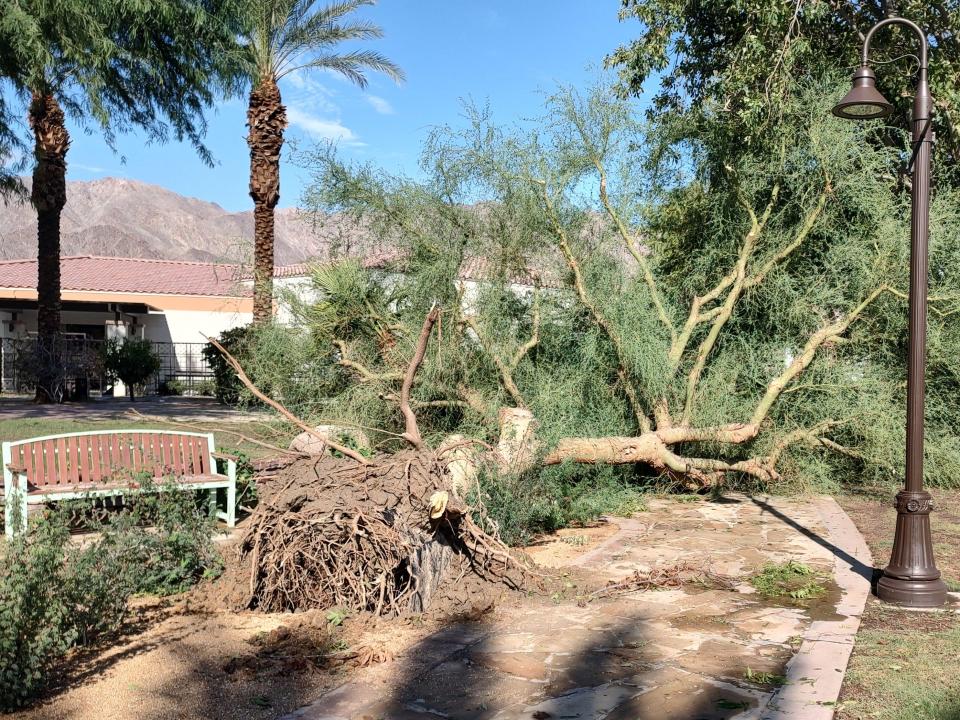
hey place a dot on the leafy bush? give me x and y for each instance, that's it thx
(205, 388)
(551, 498)
(36, 625)
(171, 387)
(227, 388)
(55, 594)
(131, 361)
(246, 487)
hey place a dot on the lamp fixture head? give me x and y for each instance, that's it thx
(864, 101)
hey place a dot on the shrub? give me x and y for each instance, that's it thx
(246, 487)
(36, 626)
(550, 498)
(131, 361)
(205, 388)
(55, 594)
(171, 387)
(227, 388)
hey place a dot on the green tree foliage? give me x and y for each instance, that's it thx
(115, 65)
(689, 320)
(283, 37)
(130, 360)
(748, 56)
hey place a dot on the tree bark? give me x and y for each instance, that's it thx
(49, 195)
(266, 120)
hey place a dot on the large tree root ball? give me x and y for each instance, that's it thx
(389, 538)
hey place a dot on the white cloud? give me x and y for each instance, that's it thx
(321, 128)
(88, 168)
(380, 105)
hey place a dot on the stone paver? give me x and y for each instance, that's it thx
(688, 654)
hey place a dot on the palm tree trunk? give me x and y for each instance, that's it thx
(49, 195)
(266, 120)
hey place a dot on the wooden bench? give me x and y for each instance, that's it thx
(107, 463)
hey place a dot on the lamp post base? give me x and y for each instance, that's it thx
(912, 593)
(912, 578)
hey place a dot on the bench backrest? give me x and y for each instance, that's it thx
(92, 457)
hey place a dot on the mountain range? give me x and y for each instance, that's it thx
(127, 218)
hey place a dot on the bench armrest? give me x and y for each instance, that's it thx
(231, 461)
(17, 470)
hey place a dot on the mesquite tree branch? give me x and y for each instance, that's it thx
(506, 369)
(629, 242)
(808, 223)
(805, 357)
(599, 319)
(412, 432)
(242, 376)
(757, 225)
(503, 369)
(365, 374)
(534, 338)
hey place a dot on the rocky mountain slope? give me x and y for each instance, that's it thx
(127, 218)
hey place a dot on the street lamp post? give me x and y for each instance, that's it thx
(911, 578)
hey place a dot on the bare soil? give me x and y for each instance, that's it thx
(568, 544)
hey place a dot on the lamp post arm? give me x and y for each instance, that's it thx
(897, 21)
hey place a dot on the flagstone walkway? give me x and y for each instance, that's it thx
(685, 654)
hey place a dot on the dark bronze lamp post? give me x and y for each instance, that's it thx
(912, 578)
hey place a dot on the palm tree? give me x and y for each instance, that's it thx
(286, 36)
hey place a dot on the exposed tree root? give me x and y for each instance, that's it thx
(361, 537)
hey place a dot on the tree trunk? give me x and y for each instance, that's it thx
(266, 120)
(49, 195)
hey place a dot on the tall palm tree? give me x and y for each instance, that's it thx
(286, 36)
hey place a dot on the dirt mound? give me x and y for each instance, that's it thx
(388, 538)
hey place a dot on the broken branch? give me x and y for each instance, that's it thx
(412, 432)
(232, 361)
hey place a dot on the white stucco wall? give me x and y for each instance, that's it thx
(189, 326)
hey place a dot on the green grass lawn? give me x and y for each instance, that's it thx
(905, 665)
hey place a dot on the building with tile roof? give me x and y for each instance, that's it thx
(162, 300)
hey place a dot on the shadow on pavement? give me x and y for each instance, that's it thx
(611, 670)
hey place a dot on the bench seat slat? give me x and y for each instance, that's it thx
(96, 449)
(81, 488)
(27, 460)
(49, 450)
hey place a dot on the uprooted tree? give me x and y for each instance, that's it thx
(643, 295)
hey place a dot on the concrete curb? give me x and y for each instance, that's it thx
(815, 673)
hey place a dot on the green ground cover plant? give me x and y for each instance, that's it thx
(56, 593)
(790, 580)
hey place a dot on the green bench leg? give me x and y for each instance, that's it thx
(212, 502)
(232, 494)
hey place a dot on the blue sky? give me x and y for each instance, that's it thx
(506, 52)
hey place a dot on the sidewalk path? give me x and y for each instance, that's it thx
(175, 408)
(687, 654)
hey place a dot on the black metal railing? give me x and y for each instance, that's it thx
(183, 368)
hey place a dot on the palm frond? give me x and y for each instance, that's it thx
(352, 65)
(289, 35)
